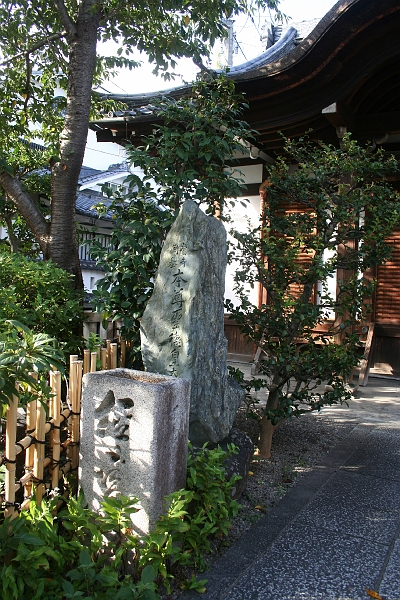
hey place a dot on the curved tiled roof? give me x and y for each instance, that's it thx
(344, 73)
(283, 46)
(89, 174)
(140, 104)
(85, 201)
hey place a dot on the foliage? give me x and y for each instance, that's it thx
(25, 360)
(212, 507)
(130, 265)
(46, 557)
(40, 295)
(94, 342)
(36, 45)
(193, 516)
(186, 157)
(19, 237)
(79, 553)
(50, 49)
(329, 216)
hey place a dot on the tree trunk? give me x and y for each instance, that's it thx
(58, 239)
(266, 427)
(265, 441)
(65, 173)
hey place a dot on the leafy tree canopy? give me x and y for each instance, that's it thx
(47, 46)
(185, 158)
(35, 46)
(329, 218)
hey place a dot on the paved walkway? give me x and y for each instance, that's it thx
(337, 531)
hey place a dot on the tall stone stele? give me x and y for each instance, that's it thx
(182, 329)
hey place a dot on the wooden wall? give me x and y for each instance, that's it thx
(237, 344)
(386, 350)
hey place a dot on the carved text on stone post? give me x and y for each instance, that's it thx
(179, 279)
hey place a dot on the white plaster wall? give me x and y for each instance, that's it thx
(101, 156)
(242, 215)
(90, 278)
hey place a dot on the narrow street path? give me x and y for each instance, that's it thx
(337, 532)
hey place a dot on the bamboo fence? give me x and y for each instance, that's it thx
(52, 432)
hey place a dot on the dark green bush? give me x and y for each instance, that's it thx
(81, 554)
(40, 296)
(25, 361)
(43, 557)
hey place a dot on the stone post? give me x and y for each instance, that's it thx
(134, 439)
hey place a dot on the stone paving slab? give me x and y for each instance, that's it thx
(360, 505)
(307, 563)
(337, 531)
(390, 585)
(380, 455)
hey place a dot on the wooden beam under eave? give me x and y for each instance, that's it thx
(339, 115)
(272, 138)
(105, 135)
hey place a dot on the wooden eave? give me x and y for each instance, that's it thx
(350, 63)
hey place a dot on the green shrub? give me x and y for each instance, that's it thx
(140, 227)
(212, 507)
(46, 557)
(25, 361)
(40, 296)
(81, 554)
(194, 515)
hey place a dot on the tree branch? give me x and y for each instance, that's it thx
(28, 209)
(65, 19)
(199, 63)
(28, 82)
(33, 48)
(12, 239)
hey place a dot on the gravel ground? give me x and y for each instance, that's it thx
(298, 445)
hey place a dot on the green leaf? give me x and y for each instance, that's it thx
(85, 558)
(148, 574)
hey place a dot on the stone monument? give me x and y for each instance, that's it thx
(134, 439)
(182, 329)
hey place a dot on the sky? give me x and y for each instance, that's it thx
(142, 80)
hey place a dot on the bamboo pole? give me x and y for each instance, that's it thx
(76, 410)
(29, 440)
(93, 362)
(25, 479)
(26, 503)
(86, 361)
(40, 448)
(122, 360)
(108, 342)
(51, 412)
(113, 356)
(73, 358)
(104, 359)
(30, 449)
(72, 401)
(55, 415)
(11, 436)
